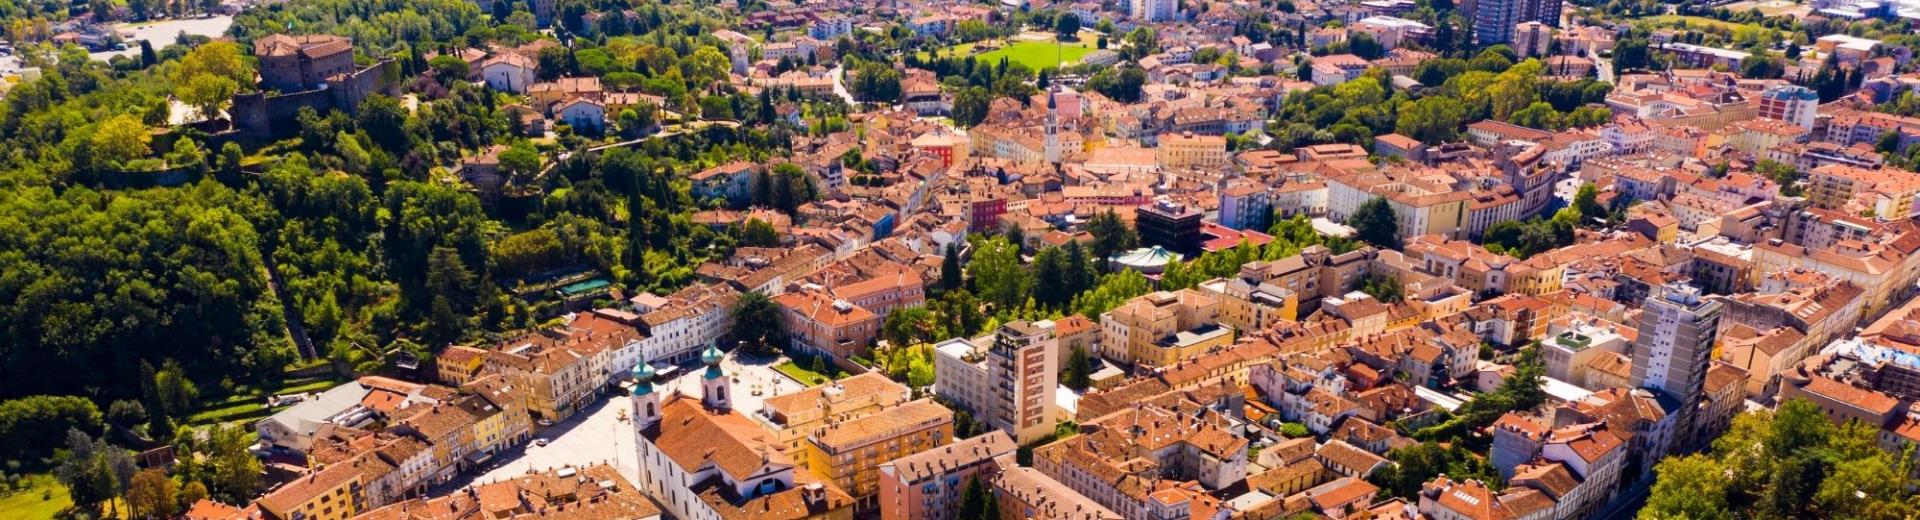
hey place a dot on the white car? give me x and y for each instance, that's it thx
(542, 443)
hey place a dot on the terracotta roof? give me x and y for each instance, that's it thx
(695, 437)
(886, 424)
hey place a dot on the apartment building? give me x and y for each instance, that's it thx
(1006, 379)
(850, 453)
(1163, 328)
(821, 325)
(1139, 461)
(1884, 193)
(931, 484)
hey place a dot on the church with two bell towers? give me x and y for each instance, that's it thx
(703, 460)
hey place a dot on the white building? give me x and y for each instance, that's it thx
(509, 72)
(1154, 10)
(1009, 382)
(701, 460)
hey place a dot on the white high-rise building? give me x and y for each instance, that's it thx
(1675, 345)
(1791, 103)
(1009, 383)
(1155, 10)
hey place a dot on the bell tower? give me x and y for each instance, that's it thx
(646, 402)
(713, 384)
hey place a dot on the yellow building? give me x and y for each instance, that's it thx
(507, 422)
(1251, 304)
(459, 364)
(794, 417)
(1163, 328)
(1887, 192)
(850, 453)
(1186, 150)
(335, 492)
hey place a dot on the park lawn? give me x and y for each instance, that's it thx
(27, 504)
(1674, 20)
(1038, 55)
(804, 376)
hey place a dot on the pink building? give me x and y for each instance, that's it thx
(929, 485)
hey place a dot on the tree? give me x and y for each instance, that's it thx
(1078, 373)
(222, 466)
(191, 493)
(1786, 175)
(974, 502)
(520, 162)
(218, 58)
(1691, 487)
(1067, 25)
(127, 413)
(120, 139)
(1374, 222)
(1539, 115)
(384, 121)
(950, 272)
(207, 77)
(147, 56)
(453, 292)
(35, 426)
(1051, 282)
(94, 471)
(907, 326)
(1586, 201)
(1432, 120)
(1383, 287)
(996, 273)
(1414, 465)
(758, 233)
(151, 495)
(758, 324)
(970, 106)
(1110, 235)
(173, 393)
(449, 68)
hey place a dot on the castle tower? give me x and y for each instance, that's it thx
(646, 402)
(713, 384)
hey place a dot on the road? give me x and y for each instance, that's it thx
(839, 74)
(1603, 66)
(1627, 504)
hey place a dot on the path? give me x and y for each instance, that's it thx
(683, 129)
(294, 328)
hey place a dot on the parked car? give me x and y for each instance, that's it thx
(540, 443)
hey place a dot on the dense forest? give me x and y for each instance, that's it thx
(349, 242)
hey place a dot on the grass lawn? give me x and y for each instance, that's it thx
(1035, 54)
(28, 504)
(248, 404)
(1675, 20)
(805, 376)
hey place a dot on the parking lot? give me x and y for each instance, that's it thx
(601, 434)
(165, 32)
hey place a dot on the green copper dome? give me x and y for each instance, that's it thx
(643, 374)
(712, 358)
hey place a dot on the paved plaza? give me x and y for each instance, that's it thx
(601, 433)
